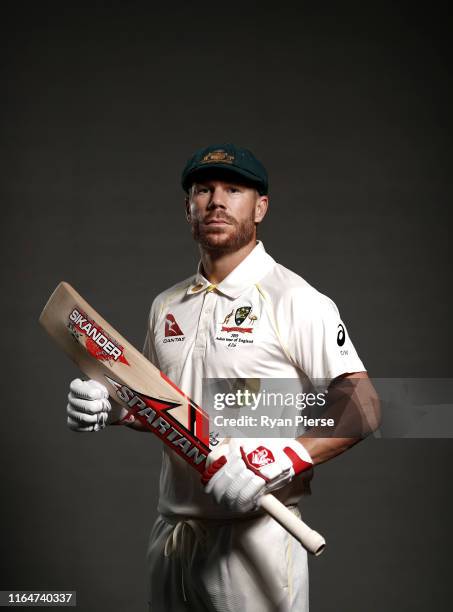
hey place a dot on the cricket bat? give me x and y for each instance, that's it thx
(149, 396)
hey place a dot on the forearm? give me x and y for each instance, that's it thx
(323, 449)
(353, 405)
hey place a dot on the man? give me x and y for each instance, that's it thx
(211, 548)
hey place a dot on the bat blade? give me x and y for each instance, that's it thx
(147, 393)
(132, 381)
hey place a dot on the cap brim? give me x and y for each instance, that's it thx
(223, 171)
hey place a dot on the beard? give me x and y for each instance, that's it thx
(224, 239)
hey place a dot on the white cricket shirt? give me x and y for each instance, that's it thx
(261, 321)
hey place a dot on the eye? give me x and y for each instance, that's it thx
(234, 190)
(201, 189)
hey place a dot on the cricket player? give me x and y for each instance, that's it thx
(241, 315)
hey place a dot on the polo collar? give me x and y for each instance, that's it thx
(249, 272)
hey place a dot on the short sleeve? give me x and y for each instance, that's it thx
(316, 338)
(149, 349)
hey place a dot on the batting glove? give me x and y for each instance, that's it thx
(88, 406)
(251, 468)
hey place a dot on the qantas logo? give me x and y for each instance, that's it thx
(173, 332)
(171, 327)
(260, 457)
(155, 414)
(96, 340)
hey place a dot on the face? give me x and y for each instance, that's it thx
(223, 215)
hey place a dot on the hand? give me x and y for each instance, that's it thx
(249, 468)
(88, 406)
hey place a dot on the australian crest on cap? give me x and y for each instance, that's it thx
(218, 156)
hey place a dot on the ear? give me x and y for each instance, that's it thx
(187, 207)
(262, 205)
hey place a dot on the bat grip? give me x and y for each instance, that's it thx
(310, 539)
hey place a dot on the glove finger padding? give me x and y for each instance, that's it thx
(85, 418)
(92, 406)
(76, 426)
(88, 389)
(233, 485)
(88, 406)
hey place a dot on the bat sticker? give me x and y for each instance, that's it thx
(97, 341)
(155, 415)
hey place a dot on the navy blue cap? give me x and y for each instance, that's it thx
(230, 161)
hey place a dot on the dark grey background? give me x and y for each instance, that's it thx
(351, 113)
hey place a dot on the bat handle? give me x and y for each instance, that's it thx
(310, 539)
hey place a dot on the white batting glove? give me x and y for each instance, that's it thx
(88, 406)
(249, 468)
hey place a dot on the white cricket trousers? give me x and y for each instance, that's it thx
(243, 565)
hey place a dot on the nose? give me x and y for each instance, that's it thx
(217, 198)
